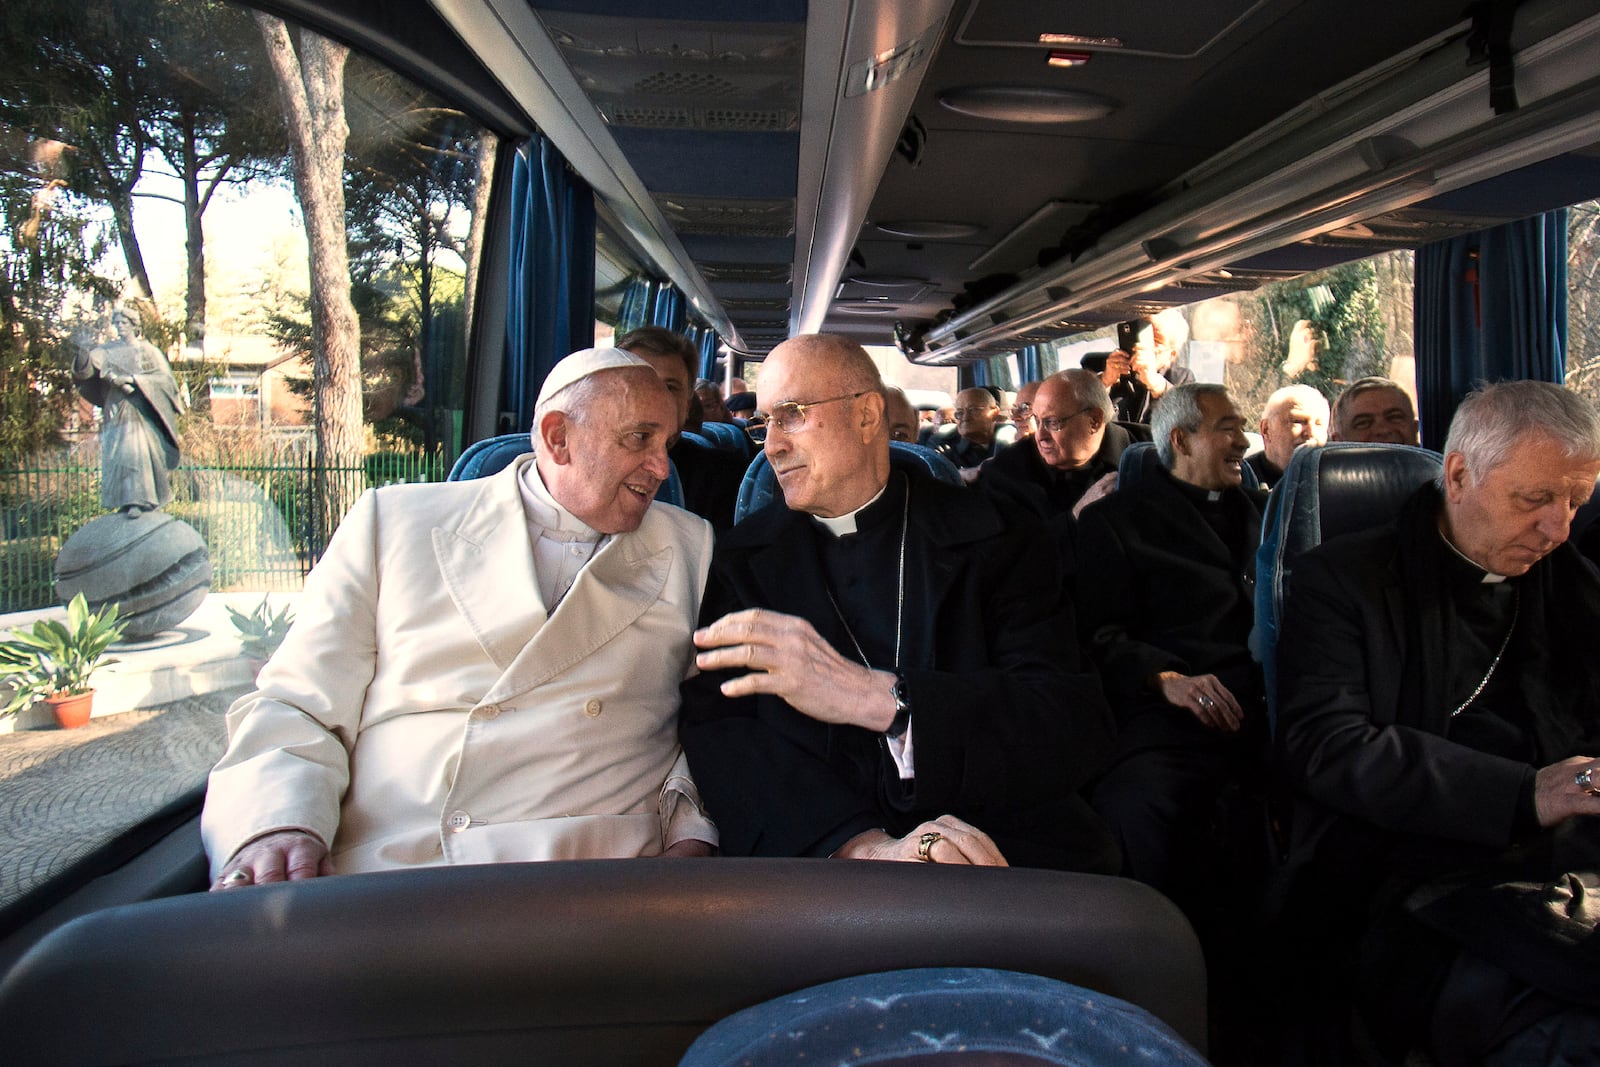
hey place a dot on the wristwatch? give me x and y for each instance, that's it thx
(902, 710)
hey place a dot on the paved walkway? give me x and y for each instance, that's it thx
(64, 793)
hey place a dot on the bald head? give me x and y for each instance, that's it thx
(1071, 412)
(823, 360)
(826, 435)
(977, 414)
(1295, 415)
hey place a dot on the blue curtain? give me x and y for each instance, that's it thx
(1028, 364)
(637, 304)
(705, 341)
(648, 302)
(669, 310)
(551, 310)
(1499, 293)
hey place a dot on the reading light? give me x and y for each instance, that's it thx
(1068, 59)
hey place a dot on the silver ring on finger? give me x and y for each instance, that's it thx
(1584, 780)
(1206, 702)
(239, 876)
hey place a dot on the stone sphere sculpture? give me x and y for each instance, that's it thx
(153, 565)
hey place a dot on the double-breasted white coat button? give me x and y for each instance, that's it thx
(458, 821)
(592, 707)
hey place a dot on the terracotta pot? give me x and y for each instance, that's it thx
(72, 709)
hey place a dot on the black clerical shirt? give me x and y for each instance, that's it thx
(863, 575)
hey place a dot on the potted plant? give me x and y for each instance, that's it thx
(52, 661)
(261, 631)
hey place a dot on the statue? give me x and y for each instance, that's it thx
(140, 402)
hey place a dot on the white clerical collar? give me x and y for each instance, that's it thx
(840, 525)
(1489, 577)
(553, 520)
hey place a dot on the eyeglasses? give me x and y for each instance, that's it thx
(1054, 423)
(1021, 411)
(790, 416)
(961, 413)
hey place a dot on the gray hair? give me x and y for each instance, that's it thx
(1090, 391)
(1179, 409)
(1494, 418)
(1366, 385)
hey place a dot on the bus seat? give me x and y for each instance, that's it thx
(489, 456)
(760, 485)
(1137, 431)
(494, 454)
(1141, 457)
(727, 435)
(595, 961)
(997, 1016)
(1336, 489)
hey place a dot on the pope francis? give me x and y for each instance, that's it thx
(488, 670)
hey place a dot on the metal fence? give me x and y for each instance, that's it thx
(258, 516)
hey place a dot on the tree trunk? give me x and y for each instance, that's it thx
(310, 73)
(122, 215)
(194, 330)
(488, 145)
(119, 193)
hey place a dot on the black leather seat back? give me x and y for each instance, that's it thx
(614, 961)
(1325, 492)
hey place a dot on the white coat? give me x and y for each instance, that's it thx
(424, 709)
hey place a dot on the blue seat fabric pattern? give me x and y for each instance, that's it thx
(960, 1011)
(760, 485)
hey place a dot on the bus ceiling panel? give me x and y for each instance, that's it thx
(713, 164)
(512, 40)
(1542, 186)
(1381, 143)
(725, 257)
(865, 60)
(1152, 28)
(1207, 78)
(688, 10)
(1517, 194)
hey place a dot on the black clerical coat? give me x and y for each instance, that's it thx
(1005, 726)
(1400, 831)
(710, 479)
(1052, 492)
(1159, 590)
(1364, 701)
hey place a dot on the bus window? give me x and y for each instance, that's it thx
(295, 228)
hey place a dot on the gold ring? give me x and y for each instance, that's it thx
(1584, 780)
(925, 846)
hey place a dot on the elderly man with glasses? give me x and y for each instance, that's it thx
(1022, 408)
(888, 664)
(978, 419)
(1074, 445)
